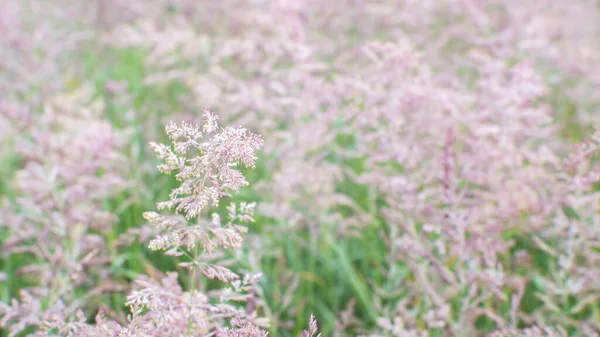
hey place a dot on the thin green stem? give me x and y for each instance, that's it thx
(192, 290)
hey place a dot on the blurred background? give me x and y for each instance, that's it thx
(419, 174)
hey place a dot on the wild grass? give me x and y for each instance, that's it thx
(381, 134)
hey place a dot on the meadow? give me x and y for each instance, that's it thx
(244, 168)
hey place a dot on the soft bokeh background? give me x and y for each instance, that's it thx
(419, 174)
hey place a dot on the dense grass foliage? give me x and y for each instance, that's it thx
(242, 167)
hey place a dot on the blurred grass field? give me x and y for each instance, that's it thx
(328, 271)
(304, 272)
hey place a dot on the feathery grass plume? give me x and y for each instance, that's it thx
(162, 308)
(313, 328)
(458, 168)
(205, 179)
(204, 159)
(571, 245)
(58, 223)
